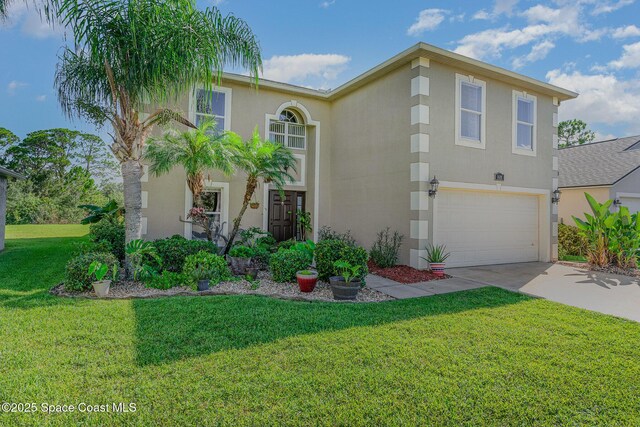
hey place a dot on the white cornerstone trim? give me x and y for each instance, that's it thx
(316, 191)
(420, 86)
(420, 115)
(420, 143)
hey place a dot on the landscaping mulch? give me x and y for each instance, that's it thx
(404, 273)
(265, 286)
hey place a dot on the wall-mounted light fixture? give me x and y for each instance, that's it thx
(498, 176)
(616, 202)
(556, 196)
(434, 183)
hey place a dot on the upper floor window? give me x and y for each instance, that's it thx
(470, 111)
(524, 123)
(212, 105)
(289, 130)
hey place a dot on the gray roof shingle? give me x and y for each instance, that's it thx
(598, 163)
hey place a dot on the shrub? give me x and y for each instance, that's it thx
(571, 241)
(262, 256)
(206, 265)
(111, 233)
(329, 251)
(77, 277)
(286, 244)
(240, 251)
(384, 251)
(285, 263)
(327, 233)
(174, 250)
(166, 280)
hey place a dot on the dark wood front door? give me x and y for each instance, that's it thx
(282, 214)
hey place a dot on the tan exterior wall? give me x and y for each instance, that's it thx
(370, 159)
(573, 202)
(166, 194)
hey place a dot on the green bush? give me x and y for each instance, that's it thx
(174, 251)
(240, 251)
(384, 251)
(111, 233)
(327, 233)
(571, 241)
(329, 251)
(166, 280)
(286, 244)
(205, 265)
(77, 277)
(285, 263)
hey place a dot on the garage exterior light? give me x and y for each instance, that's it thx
(556, 196)
(434, 183)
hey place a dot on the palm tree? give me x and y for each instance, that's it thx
(131, 52)
(261, 160)
(196, 150)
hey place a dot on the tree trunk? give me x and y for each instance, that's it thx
(252, 183)
(131, 175)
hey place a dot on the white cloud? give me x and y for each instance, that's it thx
(298, 68)
(428, 20)
(328, 3)
(481, 15)
(504, 6)
(630, 57)
(41, 98)
(538, 52)
(31, 22)
(608, 6)
(604, 99)
(626, 32)
(14, 86)
(544, 23)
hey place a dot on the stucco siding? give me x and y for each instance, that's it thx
(166, 194)
(573, 202)
(370, 159)
(628, 184)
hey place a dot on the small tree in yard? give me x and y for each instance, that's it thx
(574, 132)
(260, 160)
(196, 150)
(131, 52)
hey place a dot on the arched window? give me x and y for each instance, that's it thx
(289, 130)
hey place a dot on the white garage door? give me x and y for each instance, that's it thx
(482, 228)
(633, 203)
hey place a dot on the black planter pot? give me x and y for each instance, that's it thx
(203, 285)
(239, 265)
(344, 291)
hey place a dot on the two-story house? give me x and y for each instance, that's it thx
(368, 150)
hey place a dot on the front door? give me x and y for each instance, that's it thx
(282, 214)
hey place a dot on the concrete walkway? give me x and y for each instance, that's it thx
(606, 293)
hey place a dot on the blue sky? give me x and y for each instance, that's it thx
(590, 46)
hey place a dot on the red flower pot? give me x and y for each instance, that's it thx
(437, 268)
(307, 282)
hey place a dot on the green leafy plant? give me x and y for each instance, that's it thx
(77, 276)
(597, 228)
(98, 269)
(329, 251)
(571, 241)
(307, 248)
(174, 250)
(242, 252)
(306, 272)
(109, 233)
(166, 280)
(384, 251)
(205, 265)
(346, 270)
(304, 223)
(436, 254)
(284, 264)
(111, 211)
(138, 251)
(327, 233)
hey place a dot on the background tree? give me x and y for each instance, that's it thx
(196, 150)
(261, 160)
(128, 53)
(574, 132)
(7, 139)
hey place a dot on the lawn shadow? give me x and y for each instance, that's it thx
(171, 329)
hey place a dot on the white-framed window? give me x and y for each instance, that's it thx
(212, 203)
(470, 112)
(289, 130)
(215, 200)
(524, 124)
(211, 104)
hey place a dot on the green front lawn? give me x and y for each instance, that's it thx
(481, 357)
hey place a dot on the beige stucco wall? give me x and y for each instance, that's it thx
(370, 159)
(573, 202)
(166, 194)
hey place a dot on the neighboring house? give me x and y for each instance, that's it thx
(4, 174)
(605, 169)
(367, 150)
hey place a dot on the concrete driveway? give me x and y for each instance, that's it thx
(602, 292)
